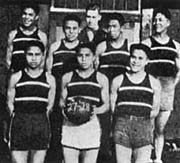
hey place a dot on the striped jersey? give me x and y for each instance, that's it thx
(134, 99)
(114, 61)
(64, 60)
(162, 58)
(31, 94)
(18, 61)
(88, 88)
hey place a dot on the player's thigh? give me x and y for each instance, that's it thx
(90, 156)
(142, 154)
(161, 120)
(38, 156)
(19, 156)
(123, 154)
(71, 155)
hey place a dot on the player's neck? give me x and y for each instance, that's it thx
(85, 73)
(162, 37)
(95, 28)
(28, 30)
(136, 77)
(34, 73)
(116, 43)
(71, 44)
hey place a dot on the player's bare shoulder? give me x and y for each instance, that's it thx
(117, 81)
(102, 79)
(101, 48)
(147, 42)
(12, 34)
(15, 77)
(155, 84)
(50, 78)
(54, 46)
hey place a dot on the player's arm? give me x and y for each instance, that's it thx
(101, 48)
(52, 90)
(177, 78)
(11, 90)
(114, 88)
(155, 84)
(43, 38)
(52, 49)
(10, 47)
(103, 81)
(65, 80)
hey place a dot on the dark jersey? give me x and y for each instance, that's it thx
(114, 61)
(64, 60)
(18, 61)
(88, 88)
(99, 36)
(162, 58)
(134, 99)
(31, 94)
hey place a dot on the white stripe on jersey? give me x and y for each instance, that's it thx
(58, 64)
(114, 66)
(115, 52)
(26, 39)
(161, 61)
(134, 103)
(86, 97)
(64, 51)
(164, 48)
(84, 83)
(136, 88)
(31, 99)
(32, 83)
(18, 52)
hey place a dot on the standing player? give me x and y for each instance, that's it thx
(113, 53)
(84, 139)
(113, 57)
(61, 59)
(30, 99)
(25, 32)
(165, 65)
(92, 32)
(135, 99)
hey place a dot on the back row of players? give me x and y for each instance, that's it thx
(136, 94)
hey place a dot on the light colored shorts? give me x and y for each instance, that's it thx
(167, 93)
(85, 136)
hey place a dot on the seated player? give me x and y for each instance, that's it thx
(84, 139)
(135, 99)
(31, 95)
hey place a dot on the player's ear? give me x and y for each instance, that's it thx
(99, 17)
(37, 17)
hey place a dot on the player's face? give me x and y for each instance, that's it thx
(138, 61)
(29, 17)
(34, 57)
(71, 30)
(114, 29)
(92, 18)
(161, 23)
(85, 58)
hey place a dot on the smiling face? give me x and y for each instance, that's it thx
(85, 58)
(34, 57)
(71, 30)
(92, 18)
(138, 60)
(29, 17)
(161, 23)
(114, 29)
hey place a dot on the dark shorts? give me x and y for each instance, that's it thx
(29, 132)
(133, 132)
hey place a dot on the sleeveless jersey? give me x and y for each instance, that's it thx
(31, 94)
(88, 88)
(18, 61)
(64, 60)
(114, 61)
(134, 99)
(162, 59)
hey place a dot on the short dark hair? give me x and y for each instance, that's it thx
(89, 45)
(163, 11)
(34, 6)
(140, 46)
(93, 6)
(72, 17)
(37, 43)
(116, 16)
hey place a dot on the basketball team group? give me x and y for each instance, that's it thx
(128, 88)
